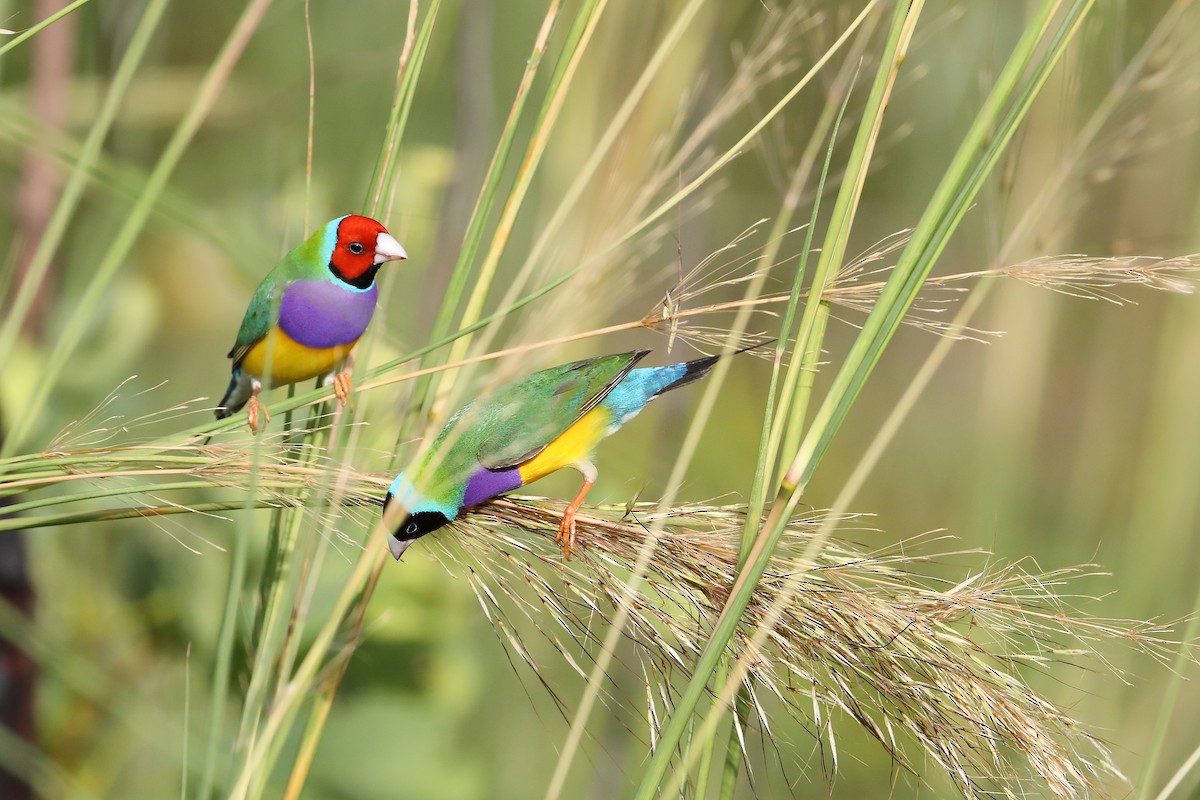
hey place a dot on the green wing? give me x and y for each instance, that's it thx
(260, 316)
(264, 305)
(520, 419)
(515, 422)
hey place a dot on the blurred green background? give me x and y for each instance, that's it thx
(1072, 438)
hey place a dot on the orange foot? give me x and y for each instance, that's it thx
(566, 532)
(566, 529)
(252, 409)
(341, 387)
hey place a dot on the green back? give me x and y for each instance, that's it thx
(515, 422)
(308, 261)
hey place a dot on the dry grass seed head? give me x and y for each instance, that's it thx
(914, 659)
(866, 634)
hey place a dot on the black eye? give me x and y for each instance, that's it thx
(412, 529)
(356, 248)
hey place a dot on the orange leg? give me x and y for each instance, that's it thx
(566, 530)
(253, 406)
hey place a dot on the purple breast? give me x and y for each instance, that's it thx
(323, 314)
(487, 483)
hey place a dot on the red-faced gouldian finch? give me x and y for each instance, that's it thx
(526, 430)
(308, 313)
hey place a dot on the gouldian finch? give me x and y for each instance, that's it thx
(308, 313)
(526, 430)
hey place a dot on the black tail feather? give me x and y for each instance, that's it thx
(236, 395)
(697, 368)
(692, 371)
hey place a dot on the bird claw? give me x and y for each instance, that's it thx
(566, 533)
(252, 409)
(341, 387)
(566, 530)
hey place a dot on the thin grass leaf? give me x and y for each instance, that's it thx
(408, 71)
(992, 130)
(576, 45)
(29, 33)
(811, 328)
(72, 192)
(473, 239)
(122, 243)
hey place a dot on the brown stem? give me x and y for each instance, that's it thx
(53, 57)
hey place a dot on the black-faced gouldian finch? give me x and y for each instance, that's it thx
(308, 313)
(526, 430)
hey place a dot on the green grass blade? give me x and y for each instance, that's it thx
(733, 752)
(277, 592)
(586, 20)
(971, 175)
(230, 619)
(36, 768)
(187, 717)
(749, 136)
(488, 193)
(50, 20)
(981, 148)
(122, 244)
(72, 192)
(773, 424)
(296, 690)
(410, 72)
(668, 742)
(1145, 784)
(964, 177)
(582, 180)
(828, 124)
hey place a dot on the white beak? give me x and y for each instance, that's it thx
(398, 547)
(388, 249)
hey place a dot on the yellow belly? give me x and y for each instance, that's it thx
(575, 444)
(291, 362)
